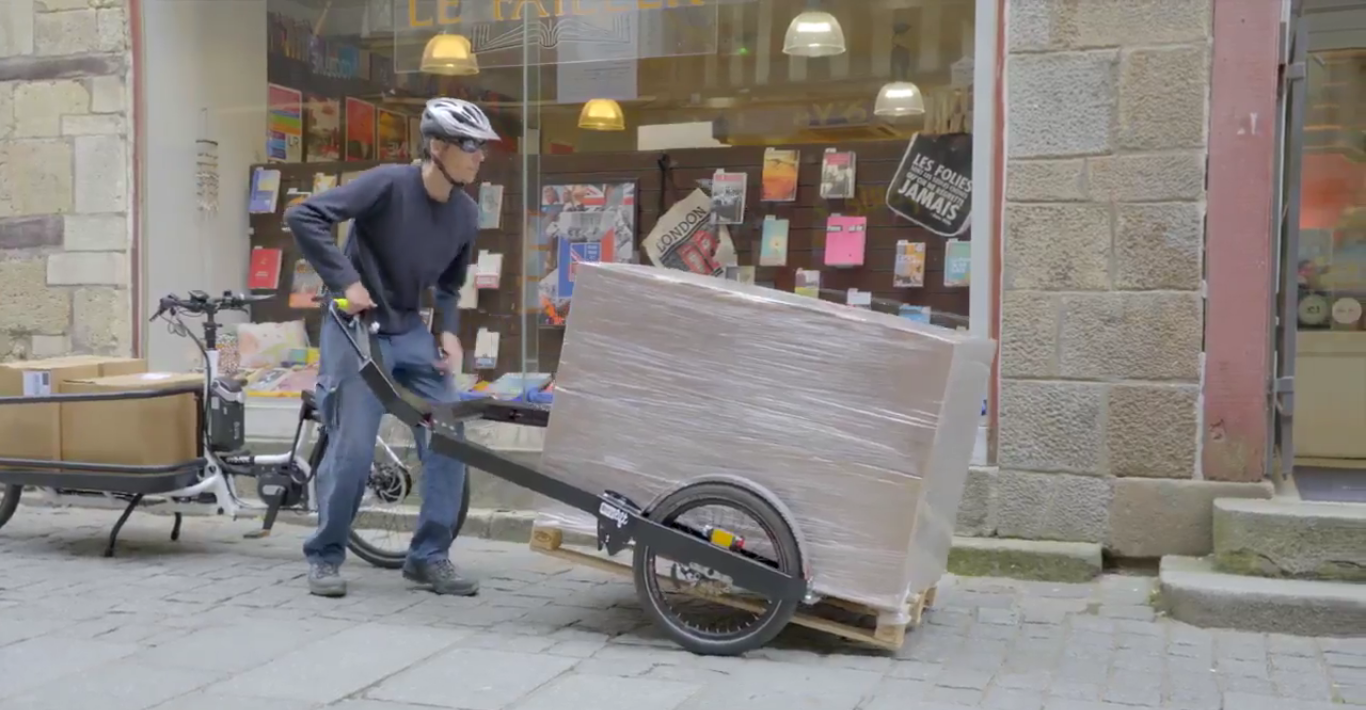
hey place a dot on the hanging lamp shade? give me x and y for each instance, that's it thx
(602, 115)
(449, 55)
(899, 98)
(814, 34)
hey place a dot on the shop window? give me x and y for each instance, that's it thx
(1332, 263)
(845, 174)
(1330, 379)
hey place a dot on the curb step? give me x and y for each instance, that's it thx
(1285, 537)
(1195, 592)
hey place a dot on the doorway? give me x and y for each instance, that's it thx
(1323, 351)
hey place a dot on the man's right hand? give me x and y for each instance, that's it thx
(357, 299)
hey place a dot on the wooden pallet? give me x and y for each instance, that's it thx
(885, 635)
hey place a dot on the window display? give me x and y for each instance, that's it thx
(844, 174)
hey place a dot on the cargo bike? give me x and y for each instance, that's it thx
(209, 483)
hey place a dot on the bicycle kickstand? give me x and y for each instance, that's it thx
(273, 500)
(118, 526)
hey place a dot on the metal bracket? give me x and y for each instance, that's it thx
(1283, 390)
(1294, 71)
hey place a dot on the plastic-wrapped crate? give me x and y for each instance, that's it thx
(861, 423)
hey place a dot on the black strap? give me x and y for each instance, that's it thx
(666, 182)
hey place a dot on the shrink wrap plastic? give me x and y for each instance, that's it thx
(861, 423)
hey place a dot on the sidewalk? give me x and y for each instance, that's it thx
(219, 622)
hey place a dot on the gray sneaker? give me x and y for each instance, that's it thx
(441, 577)
(324, 580)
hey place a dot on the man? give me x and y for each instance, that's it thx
(413, 229)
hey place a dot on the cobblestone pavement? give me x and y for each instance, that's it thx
(215, 621)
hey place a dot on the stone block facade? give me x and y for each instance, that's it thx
(1102, 319)
(65, 178)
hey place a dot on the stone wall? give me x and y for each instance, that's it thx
(65, 175)
(1102, 310)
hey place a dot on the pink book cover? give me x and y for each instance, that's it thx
(844, 240)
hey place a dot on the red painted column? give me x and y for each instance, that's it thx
(1239, 241)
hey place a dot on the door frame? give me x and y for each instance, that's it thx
(1286, 213)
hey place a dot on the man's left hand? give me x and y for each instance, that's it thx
(452, 354)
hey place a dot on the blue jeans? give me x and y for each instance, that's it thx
(351, 413)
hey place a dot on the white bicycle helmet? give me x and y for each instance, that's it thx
(454, 119)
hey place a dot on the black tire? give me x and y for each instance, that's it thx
(377, 556)
(9, 502)
(387, 559)
(779, 530)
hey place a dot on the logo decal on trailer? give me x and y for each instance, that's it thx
(613, 513)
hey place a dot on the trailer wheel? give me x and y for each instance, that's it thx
(665, 590)
(9, 501)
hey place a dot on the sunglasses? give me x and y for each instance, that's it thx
(472, 145)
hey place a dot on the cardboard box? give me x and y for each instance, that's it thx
(33, 431)
(132, 432)
(861, 423)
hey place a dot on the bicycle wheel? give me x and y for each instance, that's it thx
(9, 501)
(383, 528)
(670, 595)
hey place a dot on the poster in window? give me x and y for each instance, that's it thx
(837, 174)
(909, 268)
(778, 182)
(845, 240)
(284, 124)
(583, 223)
(392, 136)
(360, 130)
(957, 263)
(688, 239)
(306, 286)
(932, 186)
(773, 242)
(323, 139)
(728, 196)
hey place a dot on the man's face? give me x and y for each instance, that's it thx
(461, 158)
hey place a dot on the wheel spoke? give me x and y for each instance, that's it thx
(704, 610)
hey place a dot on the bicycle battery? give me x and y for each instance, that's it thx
(227, 415)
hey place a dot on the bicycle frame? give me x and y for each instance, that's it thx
(175, 489)
(217, 481)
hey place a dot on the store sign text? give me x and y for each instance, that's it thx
(447, 12)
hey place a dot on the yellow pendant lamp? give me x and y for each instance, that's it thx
(449, 55)
(602, 115)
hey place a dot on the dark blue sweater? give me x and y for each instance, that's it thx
(401, 243)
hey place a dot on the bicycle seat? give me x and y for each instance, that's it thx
(310, 400)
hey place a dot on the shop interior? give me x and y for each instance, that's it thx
(1330, 397)
(783, 122)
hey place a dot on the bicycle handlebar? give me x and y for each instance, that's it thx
(201, 302)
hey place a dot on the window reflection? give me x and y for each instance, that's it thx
(631, 107)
